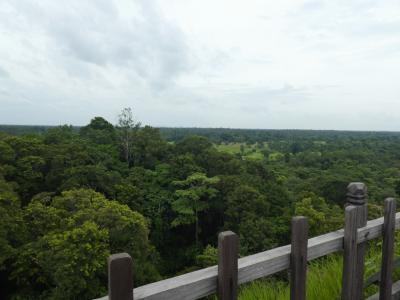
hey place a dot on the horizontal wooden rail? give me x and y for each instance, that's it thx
(376, 277)
(203, 282)
(395, 292)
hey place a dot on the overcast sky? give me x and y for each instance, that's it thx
(209, 63)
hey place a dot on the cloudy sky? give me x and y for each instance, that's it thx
(209, 63)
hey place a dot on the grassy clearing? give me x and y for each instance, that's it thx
(251, 152)
(232, 148)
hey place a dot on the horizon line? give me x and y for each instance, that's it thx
(228, 128)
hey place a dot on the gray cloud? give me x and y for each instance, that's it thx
(261, 98)
(150, 47)
(3, 73)
(188, 63)
(97, 33)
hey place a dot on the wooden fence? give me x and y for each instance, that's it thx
(224, 279)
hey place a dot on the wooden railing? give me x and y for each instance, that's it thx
(230, 272)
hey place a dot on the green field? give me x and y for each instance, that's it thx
(254, 151)
(250, 152)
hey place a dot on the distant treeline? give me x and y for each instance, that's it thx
(250, 136)
(229, 135)
(71, 196)
(27, 129)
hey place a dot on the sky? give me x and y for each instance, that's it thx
(209, 63)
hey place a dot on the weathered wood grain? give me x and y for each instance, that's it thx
(350, 254)
(120, 277)
(385, 288)
(357, 196)
(203, 282)
(298, 258)
(228, 254)
(361, 249)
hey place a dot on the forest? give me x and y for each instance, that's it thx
(71, 196)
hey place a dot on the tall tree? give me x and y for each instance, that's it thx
(99, 131)
(127, 128)
(192, 197)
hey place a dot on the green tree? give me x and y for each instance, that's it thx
(11, 225)
(30, 175)
(7, 153)
(96, 177)
(397, 187)
(322, 217)
(208, 257)
(191, 198)
(25, 145)
(127, 127)
(99, 131)
(149, 148)
(76, 260)
(60, 134)
(195, 145)
(247, 214)
(70, 237)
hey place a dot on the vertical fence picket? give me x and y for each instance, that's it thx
(120, 277)
(228, 252)
(298, 258)
(350, 253)
(357, 196)
(385, 290)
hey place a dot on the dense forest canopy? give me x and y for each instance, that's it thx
(70, 196)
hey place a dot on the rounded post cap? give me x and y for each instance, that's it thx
(356, 193)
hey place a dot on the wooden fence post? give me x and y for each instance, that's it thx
(120, 277)
(228, 252)
(350, 253)
(298, 258)
(385, 289)
(357, 196)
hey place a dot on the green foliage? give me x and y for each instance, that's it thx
(70, 238)
(99, 131)
(192, 198)
(11, 226)
(126, 130)
(96, 177)
(7, 153)
(209, 257)
(172, 191)
(75, 261)
(247, 213)
(149, 148)
(321, 216)
(60, 134)
(195, 145)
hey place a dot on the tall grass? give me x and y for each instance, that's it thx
(324, 278)
(324, 281)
